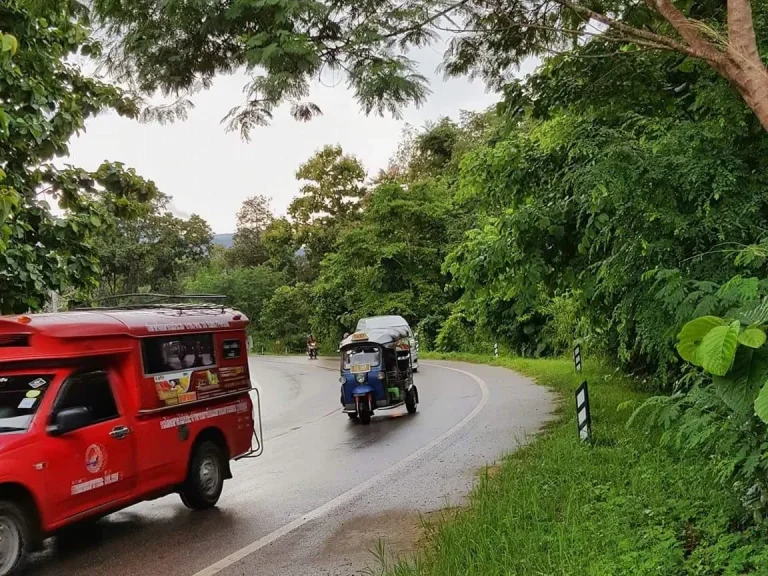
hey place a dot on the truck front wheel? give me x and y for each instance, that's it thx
(205, 477)
(14, 538)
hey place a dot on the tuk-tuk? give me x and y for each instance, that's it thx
(376, 373)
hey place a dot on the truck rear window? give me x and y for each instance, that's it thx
(20, 395)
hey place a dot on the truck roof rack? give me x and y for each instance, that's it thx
(165, 301)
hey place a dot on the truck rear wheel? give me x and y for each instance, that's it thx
(14, 538)
(205, 477)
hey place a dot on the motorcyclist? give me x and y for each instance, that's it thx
(311, 344)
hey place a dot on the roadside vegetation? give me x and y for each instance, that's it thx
(624, 505)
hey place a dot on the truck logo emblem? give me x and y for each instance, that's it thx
(95, 457)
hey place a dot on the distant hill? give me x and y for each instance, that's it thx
(223, 240)
(226, 241)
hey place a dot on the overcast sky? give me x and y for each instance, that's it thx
(210, 172)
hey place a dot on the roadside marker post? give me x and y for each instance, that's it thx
(577, 357)
(583, 415)
(496, 349)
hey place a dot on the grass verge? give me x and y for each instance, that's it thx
(621, 506)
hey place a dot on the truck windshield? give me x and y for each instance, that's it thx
(20, 395)
(362, 355)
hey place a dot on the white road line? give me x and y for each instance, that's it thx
(350, 495)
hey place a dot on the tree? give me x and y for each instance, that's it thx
(253, 219)
(292, 42)
(603, 180)
(151, 253)
(286, 317)
(44, 100)
(330, 199)
(390, 263)
(246, 289)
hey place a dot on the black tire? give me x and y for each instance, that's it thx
(365, 418)
(14, 534)
(205, 477)
(410, 402)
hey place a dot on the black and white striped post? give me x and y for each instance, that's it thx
(496, 349)
(583, 416)
(577, 357)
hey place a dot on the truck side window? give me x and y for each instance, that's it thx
(163, 354)
(91, 390)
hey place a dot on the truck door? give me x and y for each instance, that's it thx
(93, 465)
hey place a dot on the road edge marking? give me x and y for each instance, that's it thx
(350, 495)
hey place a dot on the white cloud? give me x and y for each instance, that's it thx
(210, 172)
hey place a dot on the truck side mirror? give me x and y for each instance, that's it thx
(70, 419)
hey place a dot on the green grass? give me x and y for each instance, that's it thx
(621, 506)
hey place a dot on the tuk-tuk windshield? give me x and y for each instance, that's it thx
(361, 355)
(20, 396)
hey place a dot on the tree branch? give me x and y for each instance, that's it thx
(688, 30)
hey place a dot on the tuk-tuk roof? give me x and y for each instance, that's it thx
(380, 336)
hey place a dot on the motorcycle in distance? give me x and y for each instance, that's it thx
(312, 350)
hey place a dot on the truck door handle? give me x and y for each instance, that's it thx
(120, 432)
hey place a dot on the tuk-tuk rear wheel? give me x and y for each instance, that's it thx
(410, 402)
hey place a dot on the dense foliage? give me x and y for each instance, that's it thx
(44, 100)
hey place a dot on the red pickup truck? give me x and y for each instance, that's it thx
(101, 409)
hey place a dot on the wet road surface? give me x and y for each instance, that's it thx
(326, 489)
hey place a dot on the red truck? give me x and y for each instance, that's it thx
(101, 409)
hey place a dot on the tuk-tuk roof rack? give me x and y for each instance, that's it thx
(164, 301)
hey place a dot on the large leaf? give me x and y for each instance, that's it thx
(752, 337)
(717, 350)
(690, 337)
(739, 389)
(761, 404)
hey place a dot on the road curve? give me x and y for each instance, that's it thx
(326, 489)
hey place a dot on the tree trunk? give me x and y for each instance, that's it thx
(752, 84)
(745, 68)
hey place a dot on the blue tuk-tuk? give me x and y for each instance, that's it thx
(376, 373)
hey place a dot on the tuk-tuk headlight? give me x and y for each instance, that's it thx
(360, 378)
(342, 380)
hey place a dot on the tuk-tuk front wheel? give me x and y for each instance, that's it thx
(14, 539)
(365, 417)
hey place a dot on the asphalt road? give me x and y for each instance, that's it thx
(326, 490)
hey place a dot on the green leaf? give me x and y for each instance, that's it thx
(752, 337)
(8, 43)
(739, 389)
(717, 350)
(761, 404)
(692, 334)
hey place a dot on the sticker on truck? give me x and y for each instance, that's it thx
(201, 415)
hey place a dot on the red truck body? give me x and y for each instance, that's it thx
(102, 409)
